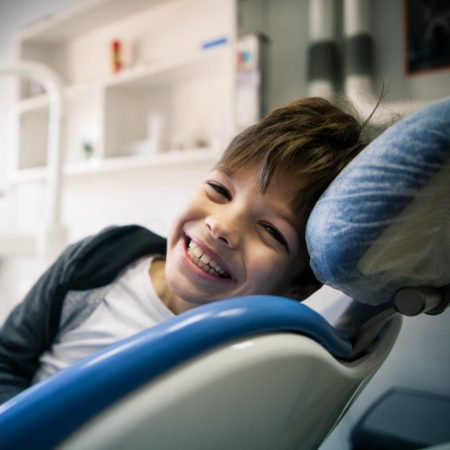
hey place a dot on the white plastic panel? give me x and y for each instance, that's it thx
(281, 391)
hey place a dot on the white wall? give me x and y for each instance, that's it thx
(421, 357)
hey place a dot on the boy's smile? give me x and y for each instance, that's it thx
(232, 239)
(206, 260)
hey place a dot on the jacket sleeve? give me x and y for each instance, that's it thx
(30, 327)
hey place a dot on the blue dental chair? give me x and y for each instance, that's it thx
(266, 372)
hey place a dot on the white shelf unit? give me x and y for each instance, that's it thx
(172, 102)
(93, 167)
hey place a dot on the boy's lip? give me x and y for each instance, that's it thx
(212, 255)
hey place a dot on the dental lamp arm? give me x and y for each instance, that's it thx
(53, 237)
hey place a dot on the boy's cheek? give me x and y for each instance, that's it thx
(194, 211)
(171, 243)
(273, 274)
(264, 273)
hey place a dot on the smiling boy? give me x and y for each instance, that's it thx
(242, 233)
(229, 240)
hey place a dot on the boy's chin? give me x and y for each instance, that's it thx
(193, 300)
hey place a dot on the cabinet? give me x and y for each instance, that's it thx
(170, 101)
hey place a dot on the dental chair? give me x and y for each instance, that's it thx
(265, 372)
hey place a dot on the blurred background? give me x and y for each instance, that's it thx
(152, 91)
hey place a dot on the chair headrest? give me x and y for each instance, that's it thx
(384, 222)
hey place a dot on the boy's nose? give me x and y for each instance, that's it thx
(224, 233)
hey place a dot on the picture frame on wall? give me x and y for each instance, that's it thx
(427, 36)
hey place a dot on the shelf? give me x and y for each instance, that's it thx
(175, 158)
(32, 104)
(125, 163)
(83, 19)
(41, 102)
(172, 70)
(163, 72)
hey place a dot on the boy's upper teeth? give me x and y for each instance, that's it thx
(195, 250)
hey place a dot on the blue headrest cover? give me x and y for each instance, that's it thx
(384, 222)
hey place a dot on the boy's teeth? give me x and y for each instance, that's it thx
(204, 261)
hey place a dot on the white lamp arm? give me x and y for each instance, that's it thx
(53, 86)
(50, 240)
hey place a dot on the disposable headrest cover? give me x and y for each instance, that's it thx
(384, 222)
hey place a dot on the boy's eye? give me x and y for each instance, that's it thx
(220, 189)
(273, 232)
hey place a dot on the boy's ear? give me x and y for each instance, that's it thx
(304, 285)
(303, 291)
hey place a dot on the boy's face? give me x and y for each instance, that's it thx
(233, 240)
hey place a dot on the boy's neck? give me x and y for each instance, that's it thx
(157, 275)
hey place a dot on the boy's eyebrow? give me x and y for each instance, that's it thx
(287, 217)
(227, 172)
(284, 215)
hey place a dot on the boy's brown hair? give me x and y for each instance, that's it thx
(311, 140)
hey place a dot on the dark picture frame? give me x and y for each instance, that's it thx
(427, 35)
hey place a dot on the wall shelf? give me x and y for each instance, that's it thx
(172, 92)
(198, 64)
(174, 158)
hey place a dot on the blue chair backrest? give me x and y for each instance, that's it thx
(51, 410)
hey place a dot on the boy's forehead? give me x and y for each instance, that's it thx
(280, 181)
